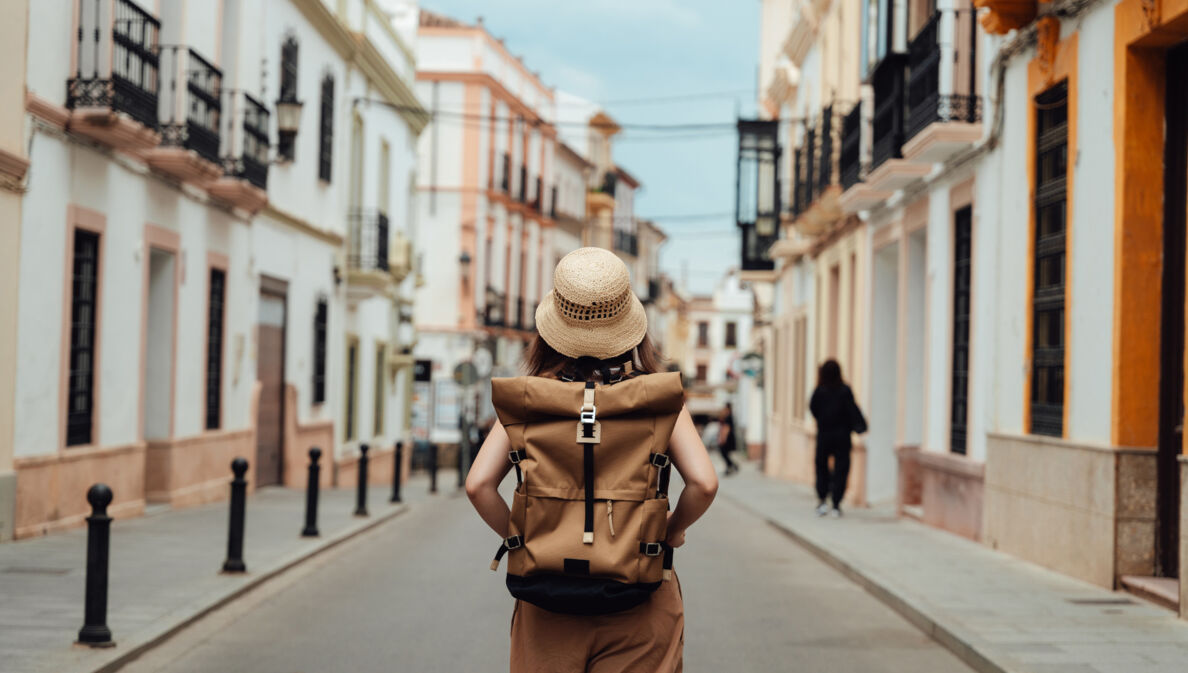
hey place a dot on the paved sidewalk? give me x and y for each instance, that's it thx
(164, 572)
(995, 612)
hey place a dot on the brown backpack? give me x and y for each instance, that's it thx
(590, 508)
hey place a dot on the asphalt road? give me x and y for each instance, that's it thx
(416, 595)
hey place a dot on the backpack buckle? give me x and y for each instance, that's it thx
(588, 415)
(516, 456)
(660, 460)
(651, 548)
(513, 542)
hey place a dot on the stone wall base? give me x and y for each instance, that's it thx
(952, 492)
(51, 491)
(195, 470)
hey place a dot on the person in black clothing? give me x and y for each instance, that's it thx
(837, 416)
(726, 441)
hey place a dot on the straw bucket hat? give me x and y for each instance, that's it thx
(591, 310)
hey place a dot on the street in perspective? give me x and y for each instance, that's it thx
(641, 336)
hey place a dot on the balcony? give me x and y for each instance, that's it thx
(518, 323)
(610, 182)
(190, 117)
(888, 170)
(941, 123)
(818, 186)
(523, 184)
(367, 251)
(856, 195)
(505, 175)
(113, 94)
(493, 310)
(244, 153)
(553, 202)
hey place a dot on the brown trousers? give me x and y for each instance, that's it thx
(648, 638)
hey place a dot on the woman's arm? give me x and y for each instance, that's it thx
(482, 485)
(690, 458)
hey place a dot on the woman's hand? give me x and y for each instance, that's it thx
(674, 538)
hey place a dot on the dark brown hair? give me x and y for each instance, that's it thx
(541, 359)
(829, 374)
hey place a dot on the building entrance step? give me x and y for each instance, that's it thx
(1163, 591)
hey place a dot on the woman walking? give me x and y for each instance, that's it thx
(726, 439)
(837, 416)
(592, 341)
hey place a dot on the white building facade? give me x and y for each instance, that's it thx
(194, 292)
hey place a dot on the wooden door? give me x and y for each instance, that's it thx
(270, 370)
(1171, 382)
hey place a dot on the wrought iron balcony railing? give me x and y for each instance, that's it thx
(827, 155)
(925, 103)
(505, 174)
(118, 61)
(523, 183)
(190, 103)
(519, 321)
(887, 127)
(368, 244)
(553, 202)
(538, 196)
(609, 182)
(850, 160)
(245, 145)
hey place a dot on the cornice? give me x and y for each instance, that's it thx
(301, 225)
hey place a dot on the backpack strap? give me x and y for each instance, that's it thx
(515, 457)
(508, 544)
(589, 433)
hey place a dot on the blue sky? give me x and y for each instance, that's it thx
(618, 51)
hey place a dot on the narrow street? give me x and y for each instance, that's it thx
(416, 595)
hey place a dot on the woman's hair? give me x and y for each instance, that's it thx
(543, 360)
(829, 374)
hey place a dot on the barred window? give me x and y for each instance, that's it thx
(214, 349)
(1051, 202)
(84, 304)
(319, 354)
(326, 139)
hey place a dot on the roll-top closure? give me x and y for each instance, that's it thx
(527, 399)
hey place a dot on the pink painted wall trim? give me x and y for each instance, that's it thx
(86, 219)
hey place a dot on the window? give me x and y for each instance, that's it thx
(214, 348)
(84, 305)
(379, 390)
(731, 334)
(288, 92)
(352, 364)
(702, 334)
(961, 276)
(385, 176)
(326, 138)
(319, 354)
(702, 373)
(1047, 336)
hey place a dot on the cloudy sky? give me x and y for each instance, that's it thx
(625, 54)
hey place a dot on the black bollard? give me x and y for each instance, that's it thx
(396, 470)
(234, 562)
(311, 494)
(94, 631)
(361, 491)
(433, 468)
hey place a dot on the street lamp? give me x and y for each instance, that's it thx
(464, 263)
(288, 120)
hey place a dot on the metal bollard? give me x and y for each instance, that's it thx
(234, 562)
(433, 468)
(396, 469)
(94, 631)
(311, 494)
(361, 490)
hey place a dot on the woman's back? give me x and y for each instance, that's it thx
(830, 405)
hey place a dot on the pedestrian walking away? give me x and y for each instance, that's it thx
(726, 439)
(837, 415)
(592, 432)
